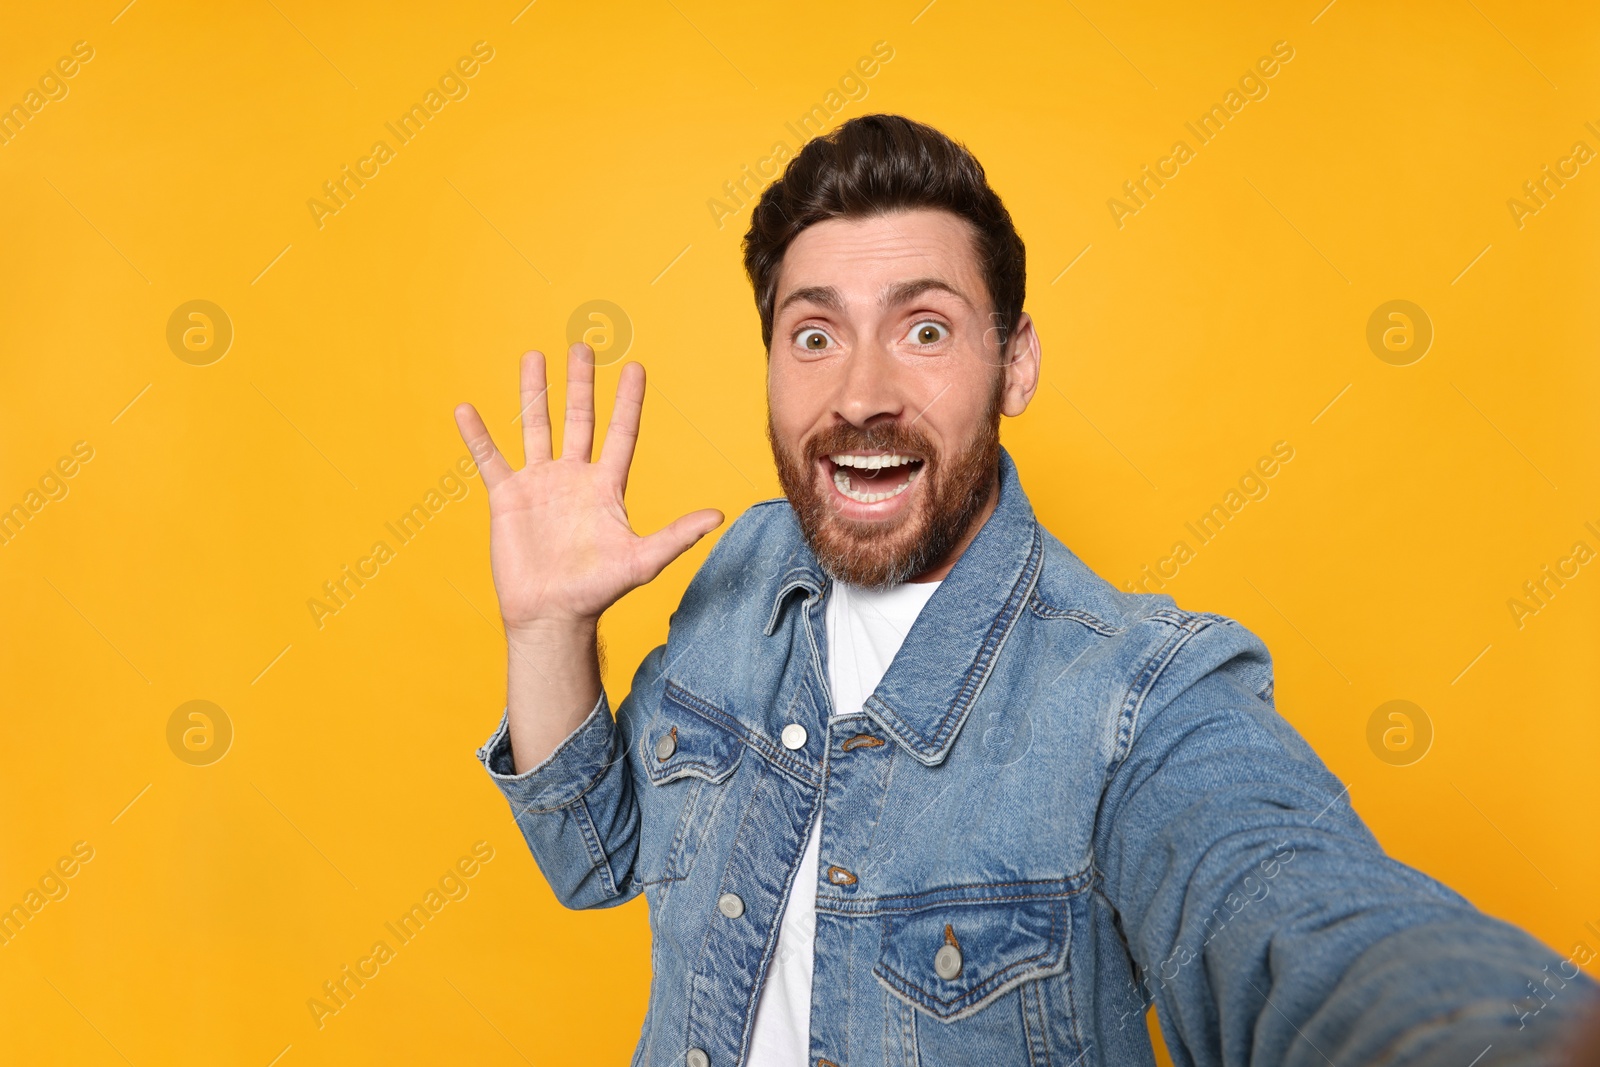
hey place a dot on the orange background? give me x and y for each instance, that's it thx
(1229, 313)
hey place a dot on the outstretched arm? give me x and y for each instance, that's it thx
(1266, 921)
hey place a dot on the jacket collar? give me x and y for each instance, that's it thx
(951, 649)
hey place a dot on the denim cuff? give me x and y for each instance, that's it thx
(568, 772)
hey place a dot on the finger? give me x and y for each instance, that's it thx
(673, 540)
(490, 462)
(577, 437)
(535, 409)
(616, 451)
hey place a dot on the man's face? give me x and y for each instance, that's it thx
(885, 385)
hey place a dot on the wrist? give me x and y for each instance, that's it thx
(545, 633)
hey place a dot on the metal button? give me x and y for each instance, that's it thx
(794, 736)
(697, 1057)
(667, 744)
(730, 905)
(947, 962)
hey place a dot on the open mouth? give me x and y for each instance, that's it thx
(870, 477)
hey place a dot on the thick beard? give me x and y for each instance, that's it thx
(879, 555)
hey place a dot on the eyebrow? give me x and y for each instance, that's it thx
(907, 291)
(822, 295)
(898, 293)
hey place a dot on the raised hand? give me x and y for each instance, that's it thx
(562, 549)
(560, 544)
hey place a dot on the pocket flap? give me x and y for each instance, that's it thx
(679, 742)
(953, 959)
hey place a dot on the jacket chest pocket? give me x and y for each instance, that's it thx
(956, 968)
(688, 761)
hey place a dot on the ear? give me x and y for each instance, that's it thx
(1022, 367)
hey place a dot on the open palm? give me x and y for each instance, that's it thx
(560, 545)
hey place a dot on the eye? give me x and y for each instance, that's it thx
(928, 332)
(812, 340)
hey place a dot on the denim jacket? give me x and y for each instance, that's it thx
(1063, 801)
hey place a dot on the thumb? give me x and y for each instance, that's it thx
(673, 540)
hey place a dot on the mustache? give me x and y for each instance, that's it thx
(888, 437)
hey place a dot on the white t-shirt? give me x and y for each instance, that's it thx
(865, 628)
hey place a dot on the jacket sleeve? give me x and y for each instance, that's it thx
(577, 808)
(1261, 913)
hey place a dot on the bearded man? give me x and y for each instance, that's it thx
(908, 783)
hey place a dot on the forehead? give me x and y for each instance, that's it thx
(861, 255)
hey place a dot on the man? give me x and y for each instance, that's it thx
(908, 783)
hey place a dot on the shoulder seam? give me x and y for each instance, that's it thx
(1039, 607)
(1186, 624)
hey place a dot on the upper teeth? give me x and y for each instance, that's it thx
(894, 459)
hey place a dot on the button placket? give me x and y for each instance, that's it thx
(855, 735)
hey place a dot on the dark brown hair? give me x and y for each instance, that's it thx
(874, 165)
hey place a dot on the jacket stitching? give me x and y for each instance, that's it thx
(697, 839)
(696, 971)
(690, 805)
(1034, 1023)
(904, 1019)
(1072, 1000)
(802, 773)
(1038, 606)
(686, 764)
(1069, 886)
(1026, 1012)
(972, 684)
(611, 747)
(867, 907)
(817, 672)
(999, 630)
(849, 972)
(684, 768)
(591, 841)
(988, 985)
(1186, 626)
(795, 578)
(770, 948)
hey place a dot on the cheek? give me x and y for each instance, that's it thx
(794, 402)
(955, 404)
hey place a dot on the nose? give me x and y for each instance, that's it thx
(869, 389)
